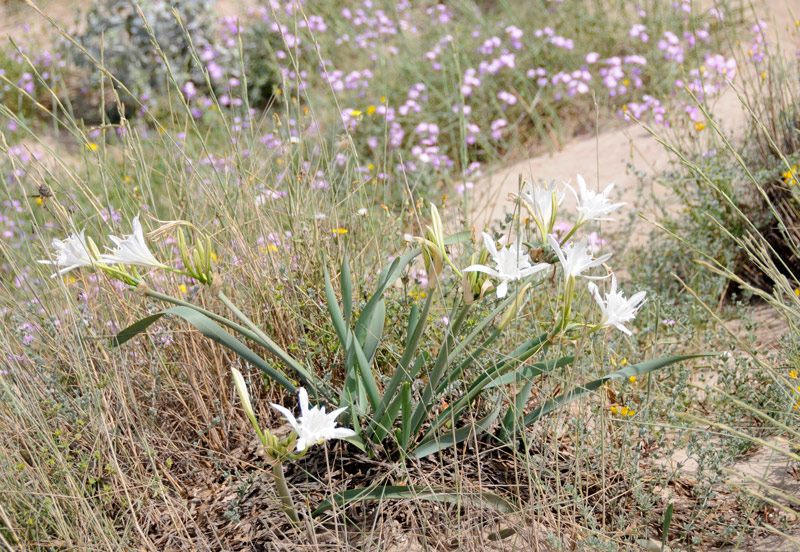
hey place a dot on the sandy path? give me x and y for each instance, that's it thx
(606, 158)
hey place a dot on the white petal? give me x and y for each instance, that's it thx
(342, 433)
(637, 299)
(533, 269)
(557, 248)
(482, 268)
(488, 241)
(622, 328)
(287, 414)
(502, 289)
(303, 397)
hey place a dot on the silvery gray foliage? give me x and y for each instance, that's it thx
(117, 33)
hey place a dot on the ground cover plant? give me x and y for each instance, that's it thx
(287, 200)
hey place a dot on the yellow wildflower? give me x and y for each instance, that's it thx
(632, 379)
(91, 146)
(183, 288)
(339, 231)
(793, 374)
(700, 125)
(355, 113)
(371, 110)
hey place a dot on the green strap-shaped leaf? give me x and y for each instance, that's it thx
(478, 386)
(347, 290)
(624, 373)
(367, 377)
(333, 309)
(211, 330)
(394, 271)
(407, 408)
(529, 371)
(382, 429)
(514, 413)
(441, 442)
(401, 371)
(374, 331)
(400, 492)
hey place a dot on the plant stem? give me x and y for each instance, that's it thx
(283, 492)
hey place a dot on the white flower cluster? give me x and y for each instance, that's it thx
(76, 251)
(512, 262)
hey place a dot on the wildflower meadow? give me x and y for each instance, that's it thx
(367, 275)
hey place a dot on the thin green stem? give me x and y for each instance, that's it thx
(283, 492)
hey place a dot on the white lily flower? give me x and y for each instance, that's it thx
(616, 308)
(71, 253)
(131, 250)
(593, 205)
(575, 258)
(543, 203)
(511, 263)
(314, 425)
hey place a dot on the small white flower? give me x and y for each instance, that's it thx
(593, 205)
(575, 258)
(320, 216)
(616, 308)
(512, 264)
(314, 425)
(544, 203)
(131, 250)
(362, 212)
(71, 253)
